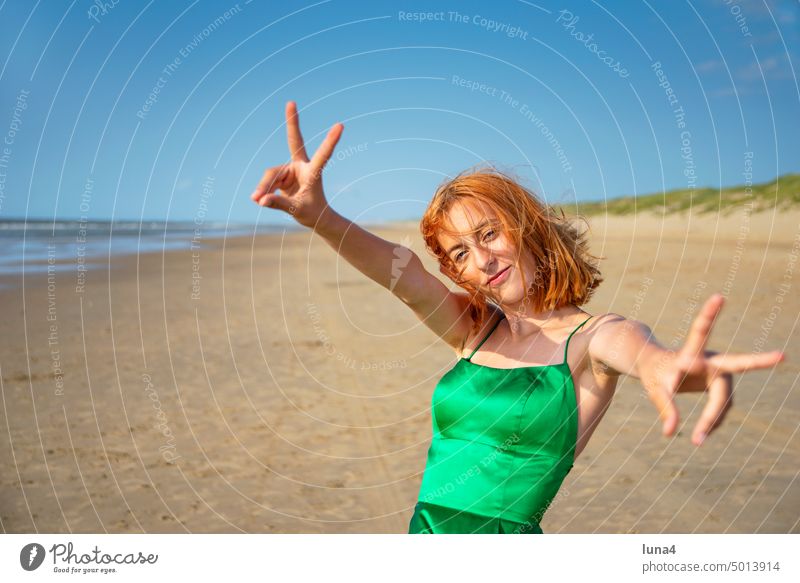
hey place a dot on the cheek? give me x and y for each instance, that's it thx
(450, 271)
(463, 274)
(533, 275)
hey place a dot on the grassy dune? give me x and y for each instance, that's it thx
(783, 193)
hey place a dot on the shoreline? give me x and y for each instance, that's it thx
(729, 227)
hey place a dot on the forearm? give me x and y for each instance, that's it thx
(391, 265)
(651, 365)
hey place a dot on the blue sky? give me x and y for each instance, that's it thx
(164, 110)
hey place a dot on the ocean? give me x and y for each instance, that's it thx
(29, 247)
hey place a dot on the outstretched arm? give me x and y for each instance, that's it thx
(629, 347)
(296, 188)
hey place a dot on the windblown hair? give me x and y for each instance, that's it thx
(566, 272)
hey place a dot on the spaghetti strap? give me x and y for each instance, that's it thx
(502, 315)
(566, 347)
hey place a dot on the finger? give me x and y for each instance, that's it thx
(667, 411)
(297, 147)
(720, 399)
(272, 180)
(744, 362)
(325, 150)
(277, 201)
(700, 331)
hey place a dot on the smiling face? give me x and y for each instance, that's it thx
(554, 269)
(484, 255)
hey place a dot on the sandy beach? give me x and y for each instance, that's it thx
(264, 385)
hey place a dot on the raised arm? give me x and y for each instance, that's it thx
(296, 188)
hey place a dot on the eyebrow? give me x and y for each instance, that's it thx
(481, 225)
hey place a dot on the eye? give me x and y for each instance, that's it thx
(459, 256)
(486, 235)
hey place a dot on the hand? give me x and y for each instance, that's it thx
(694, 369)
(299, 181)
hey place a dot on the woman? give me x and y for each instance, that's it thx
(535, 372)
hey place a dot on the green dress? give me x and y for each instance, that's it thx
(503, 442)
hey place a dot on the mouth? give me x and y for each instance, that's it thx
(499, 277)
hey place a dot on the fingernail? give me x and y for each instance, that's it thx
(701, 438)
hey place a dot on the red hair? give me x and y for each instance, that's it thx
(566, 272)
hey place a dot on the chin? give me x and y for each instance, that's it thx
(509, 293)
(511, 296)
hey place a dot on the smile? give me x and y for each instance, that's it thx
(500, 277)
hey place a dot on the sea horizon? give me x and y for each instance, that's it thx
(36, 246)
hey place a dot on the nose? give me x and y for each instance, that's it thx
(483, 257)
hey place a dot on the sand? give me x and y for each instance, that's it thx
(284, 392)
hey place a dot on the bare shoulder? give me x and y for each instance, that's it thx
(602, 332)
(602, 324)
(493, 314)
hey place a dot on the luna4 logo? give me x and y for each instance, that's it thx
(31, 556)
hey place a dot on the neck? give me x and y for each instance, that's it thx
(524, 322)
